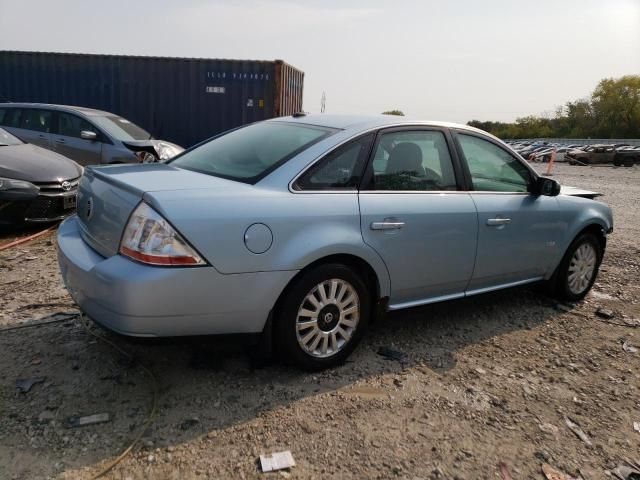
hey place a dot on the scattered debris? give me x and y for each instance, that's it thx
(629, 348)
(25, 384)
(74, 422)
(189, 423)
(553, 474)
(575, 428)
(391, 354)
(636, 426)
(504, 471)
(480, 370)
(548, 428)
(604, 313)
(563, 307)
(277, 461)
(630, 471)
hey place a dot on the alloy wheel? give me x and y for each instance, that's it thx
(327, 318)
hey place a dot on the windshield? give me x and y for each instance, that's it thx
(7, 139)
(121, 128)
(249, 153)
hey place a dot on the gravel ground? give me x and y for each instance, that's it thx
(485, 381)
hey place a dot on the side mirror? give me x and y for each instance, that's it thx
(88, 135)
(546, 186)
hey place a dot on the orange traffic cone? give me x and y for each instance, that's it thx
(550, 166)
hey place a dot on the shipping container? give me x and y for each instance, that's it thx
(184, 100)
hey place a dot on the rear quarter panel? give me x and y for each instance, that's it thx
(305, 227)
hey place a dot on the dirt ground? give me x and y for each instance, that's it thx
(485, 381)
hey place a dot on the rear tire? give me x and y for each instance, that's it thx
(578, 269)
(322, 317)
(628, 162)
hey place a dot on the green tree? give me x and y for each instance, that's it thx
(616, 107)
(399, 113)
(612, 111)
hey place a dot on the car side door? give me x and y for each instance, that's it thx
(519, 233)
(35, 127)
(68, 140)
(416, 216)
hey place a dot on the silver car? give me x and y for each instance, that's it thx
(296, 230)
(84, 135)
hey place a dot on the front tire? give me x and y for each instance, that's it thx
(578, 270)
(322, 317)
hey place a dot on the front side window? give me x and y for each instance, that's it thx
(249, 153)
(72, 126)
(340, 169)
(36, 120)
(413, 160)
(492, 168)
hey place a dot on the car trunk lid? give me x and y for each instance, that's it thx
(108, 195)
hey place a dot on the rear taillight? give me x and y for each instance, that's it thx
(150, 239)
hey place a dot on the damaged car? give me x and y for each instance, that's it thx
(298, 230)
(85, 135)
(36, 185)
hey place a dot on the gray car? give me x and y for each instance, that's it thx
(298, 229)
(36, 185)
(84, 135)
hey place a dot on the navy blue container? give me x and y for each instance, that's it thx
(184, 100)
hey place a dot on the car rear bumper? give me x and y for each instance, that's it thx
(139, 300)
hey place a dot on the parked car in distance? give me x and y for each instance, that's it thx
(36, 185)
(591, 155)
(85, 135)
(298, 229)
(627, 156)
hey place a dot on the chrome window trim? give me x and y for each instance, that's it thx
(338, 145)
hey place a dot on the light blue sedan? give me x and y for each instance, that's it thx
(299, 230)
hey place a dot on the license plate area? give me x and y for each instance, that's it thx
(69, 202)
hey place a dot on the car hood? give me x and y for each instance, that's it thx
(35, 164)
(578, 192)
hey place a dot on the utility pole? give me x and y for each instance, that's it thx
(323, 102)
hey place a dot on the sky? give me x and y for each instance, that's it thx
(453, 60)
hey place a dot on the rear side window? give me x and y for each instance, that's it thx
(2, 113)
(339, 170)
(249, 153)
(493, 169)
(72, 125)
(36, 120)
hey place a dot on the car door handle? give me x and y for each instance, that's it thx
(494, 222)
(60, 140)
(386, 225)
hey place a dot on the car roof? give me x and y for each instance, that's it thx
(69, 108)
(365, 122)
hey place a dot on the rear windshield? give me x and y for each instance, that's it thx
(249, 153)
(121, 128)
(7, 139)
